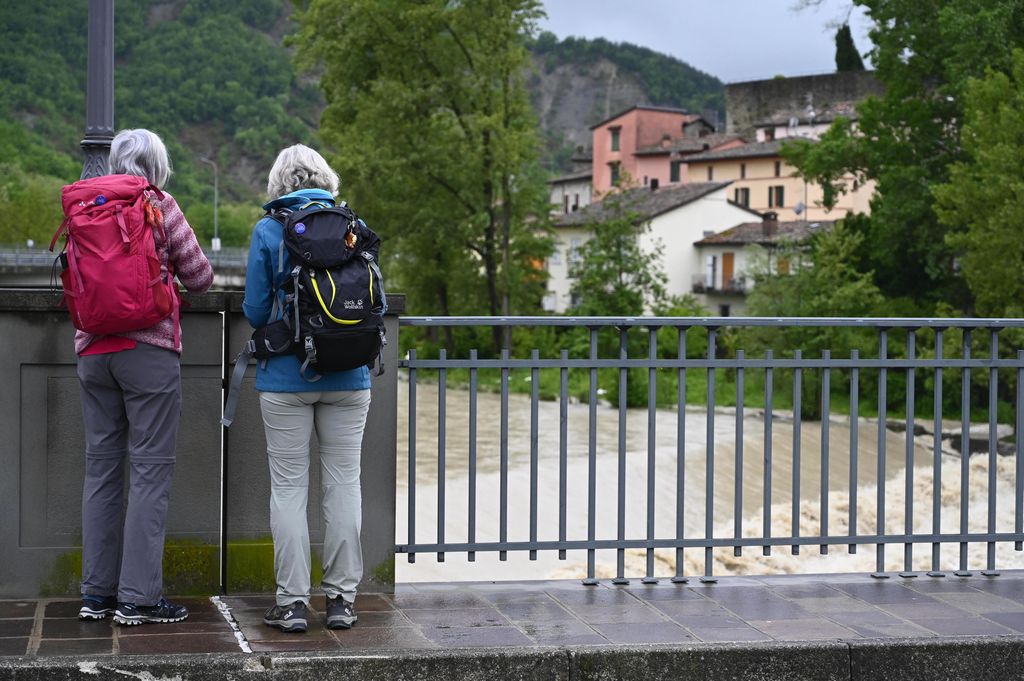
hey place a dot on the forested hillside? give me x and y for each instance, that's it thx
(216, 80)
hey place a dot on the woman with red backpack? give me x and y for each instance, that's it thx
(130, 377)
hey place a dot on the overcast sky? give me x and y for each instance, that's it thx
(735, 40)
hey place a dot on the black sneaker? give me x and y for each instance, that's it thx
(96, 607)
(163, 612)
(290, 618)
(340, 614)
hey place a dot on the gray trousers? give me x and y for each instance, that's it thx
(131, 404)
(339, 418)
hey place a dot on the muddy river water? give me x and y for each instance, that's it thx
(487, 566)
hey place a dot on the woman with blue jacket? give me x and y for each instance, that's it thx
(336, 405)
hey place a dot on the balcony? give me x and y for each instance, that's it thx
(731, 286)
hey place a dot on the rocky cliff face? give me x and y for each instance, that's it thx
(569, 98)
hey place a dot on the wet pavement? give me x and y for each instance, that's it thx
(554, 614)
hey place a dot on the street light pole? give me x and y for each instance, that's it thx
(99, 98)
(216, 228)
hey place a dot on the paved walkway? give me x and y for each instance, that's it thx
(560, 614)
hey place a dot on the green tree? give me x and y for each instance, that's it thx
(847, 57)
(818, 281)
(428, 112)
(924, 53)
(981, 203)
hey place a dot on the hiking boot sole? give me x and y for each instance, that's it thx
(88, 614)
(144, 619)
(338, 623)
(295, 626)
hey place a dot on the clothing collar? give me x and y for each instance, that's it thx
(298, 198)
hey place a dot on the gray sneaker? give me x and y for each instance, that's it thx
(290, 618)
(340, 614)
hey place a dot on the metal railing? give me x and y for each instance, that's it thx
(718, 363)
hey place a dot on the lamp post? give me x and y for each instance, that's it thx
(216, 229)
(99, 98)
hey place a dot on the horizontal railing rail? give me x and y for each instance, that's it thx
(718, 363)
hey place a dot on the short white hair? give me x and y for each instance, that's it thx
(140, 152)
(299, 167)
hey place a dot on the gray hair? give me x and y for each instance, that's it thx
(140, 152)
(299, 167)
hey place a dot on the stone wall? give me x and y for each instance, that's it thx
(218, 523)
(749, 102)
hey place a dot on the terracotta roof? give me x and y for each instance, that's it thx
(688, 145)
(755, 233)
(750, 150)
(572, 177)
(644, 202)
(668, 109)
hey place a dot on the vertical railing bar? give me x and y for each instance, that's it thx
(737, 531)
(826, 407)
(883, 354)
(534, 402)
(766, 510)
(798, 386)
(937, 460)
(908, 464)
(709, 469)
(503, 463)
(679, 577)
(965, 452)
(563, 446)
(652, 446)
(590, 579)
(411, 520)
(442, 399)
(620, 554)
(1018, 436)
(993, 385)
(473, 378)
(854, 444)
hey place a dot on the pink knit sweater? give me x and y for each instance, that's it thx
(190, 265)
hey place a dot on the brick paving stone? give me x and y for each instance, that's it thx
(391, 638)
(630, 614)
(382, 618)
(515, 596)
(13, 646)
(946, 584)
(534, 611)
(76, 646)
(803, 630)
(1013, 620)
(666, 592)
(735, 634)
(14, 609)
(457, 618)
(466, 637)
(62, 609)
(978, 602)
(644, 633)
(296, 644)
(15, 628)
(163, 644)
(768, 610)
(807, 591)
(73, 628)
(883, 593)
(868, 619)
(592, 596)
(963, 626)
(189, 626)
(902, 630)
(912, 611)
(442, 600)
(825, 606)
(562, 633)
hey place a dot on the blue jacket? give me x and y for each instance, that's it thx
(262, 278)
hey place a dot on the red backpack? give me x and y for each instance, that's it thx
(113, 278)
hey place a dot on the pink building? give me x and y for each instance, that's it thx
(644, 145)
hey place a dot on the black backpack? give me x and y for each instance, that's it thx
(333, 316)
